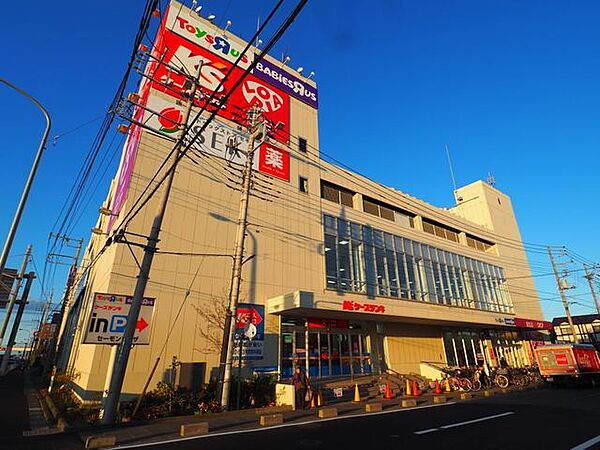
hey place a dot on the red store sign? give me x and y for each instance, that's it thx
(533, 324)
(349, 305)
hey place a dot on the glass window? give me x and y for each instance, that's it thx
(302, 145)
(361, 259)
(303, 185)
(331, 261)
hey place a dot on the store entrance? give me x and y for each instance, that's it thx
(324, 348)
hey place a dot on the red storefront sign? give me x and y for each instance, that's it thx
(274, 161)
(534, 324)
(324, 324)
(177, 52)
(349, 305)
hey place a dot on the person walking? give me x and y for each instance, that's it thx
(301, 385)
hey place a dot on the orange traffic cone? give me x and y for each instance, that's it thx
(448, 385)
(313, 400)
(388, 392)
(415, 388)
(356, 394)
(408, 389)
(438, 389)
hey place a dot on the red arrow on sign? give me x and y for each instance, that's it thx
(141, 324)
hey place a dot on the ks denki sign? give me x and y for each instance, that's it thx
(108, 320)
(179, 52)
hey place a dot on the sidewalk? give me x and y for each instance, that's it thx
(168, 428)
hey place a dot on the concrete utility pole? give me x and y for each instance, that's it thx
(15, 328)
(21, 206)
(562, 295)
(256, 134)
(590, 277)
(57, 339)
(15, 292)
(118, 373)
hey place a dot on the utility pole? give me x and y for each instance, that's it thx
(562, 295)
(590, 277)
(15, 328)
(15, 292)
(122, 357)
(227, 348)
(57, 340)
(36, 162)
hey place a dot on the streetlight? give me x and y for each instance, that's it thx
(16, 219)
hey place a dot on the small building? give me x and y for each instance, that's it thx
(587, 329)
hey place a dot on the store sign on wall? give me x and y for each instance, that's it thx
(207, 36)
(246, 314)
(108, 320)
(287, 82)
(349, 305)
(253, 91)
(218, 139)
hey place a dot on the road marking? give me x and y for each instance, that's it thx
(587, 444)
(429, 430)
(467, 422)
(285, 425)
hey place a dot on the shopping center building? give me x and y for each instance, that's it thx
(343, 275)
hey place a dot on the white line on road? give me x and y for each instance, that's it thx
(285, 425)
(587, 444)
(467, 422)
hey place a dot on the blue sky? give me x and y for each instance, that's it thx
(511, 87)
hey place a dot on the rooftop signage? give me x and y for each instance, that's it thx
(287, 82)
(208, 36)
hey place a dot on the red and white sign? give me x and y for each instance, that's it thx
(207, 35)
(179, 52)
(534, 324)
(349, 305)
(274, 161)
(217, 138)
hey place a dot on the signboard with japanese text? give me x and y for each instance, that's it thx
(108, 320)
(349, 305)
(533, 324)
(274, 161)
(218, 139)
(178, 52)
(246, 314)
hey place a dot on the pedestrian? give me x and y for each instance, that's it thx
(301, 385)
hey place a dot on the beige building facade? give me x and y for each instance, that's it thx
(354, 277)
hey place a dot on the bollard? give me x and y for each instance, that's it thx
(439, 399)
(271, 419)
(465, 396)
(409, 403)
(193, 429)
(373, 407)
(325, 413)
(100, 441)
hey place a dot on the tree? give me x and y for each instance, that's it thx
(212, 313)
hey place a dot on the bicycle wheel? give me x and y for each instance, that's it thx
(476, 385)
(465, 384)
(501, 381)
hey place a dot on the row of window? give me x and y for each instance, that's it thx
(343, 196)
(362, 259)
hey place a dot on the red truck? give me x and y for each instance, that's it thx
(559, 363)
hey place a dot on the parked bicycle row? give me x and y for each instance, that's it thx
(477, 378)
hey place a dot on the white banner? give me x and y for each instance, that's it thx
(108, 320)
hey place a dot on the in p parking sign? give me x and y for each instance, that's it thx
(108, 320)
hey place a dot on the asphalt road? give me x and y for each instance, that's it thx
(543, 419)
